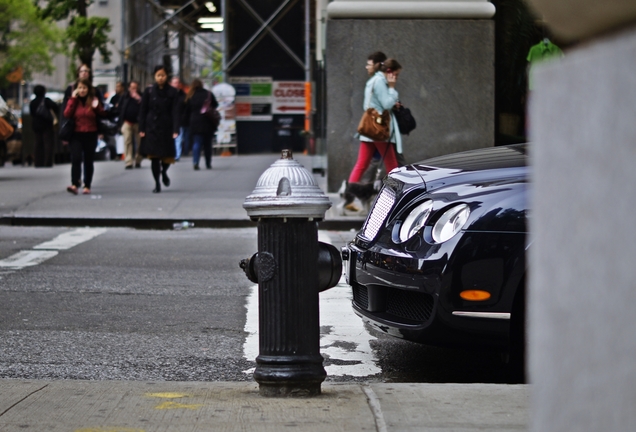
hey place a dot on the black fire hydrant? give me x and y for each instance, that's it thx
(291, 267)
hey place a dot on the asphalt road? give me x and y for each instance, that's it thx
(128, 304)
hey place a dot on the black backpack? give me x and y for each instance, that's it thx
(405, 119)
(43, 112)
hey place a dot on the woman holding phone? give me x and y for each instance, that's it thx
(380, 94)
(83, 107)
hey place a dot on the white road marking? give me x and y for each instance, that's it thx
(72, 238)
(49, 249)
(343, 338)
(26, 258)
(250, 347)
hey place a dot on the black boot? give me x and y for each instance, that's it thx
(156, 173)
(164, 175)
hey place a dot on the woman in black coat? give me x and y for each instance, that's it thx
(159, 126)
(201, 127)
(43, 114)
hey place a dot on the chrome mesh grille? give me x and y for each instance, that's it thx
(379, 212)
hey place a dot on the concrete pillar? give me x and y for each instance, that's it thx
(582, 348)
(446, 49)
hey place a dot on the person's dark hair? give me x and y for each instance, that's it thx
(158, 68)
(39, 90)
(390, 64)
(133, 81)
(377, 57)
(90, 71)
(91, 90)
(196, 84)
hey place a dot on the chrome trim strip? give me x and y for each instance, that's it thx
(493, 315)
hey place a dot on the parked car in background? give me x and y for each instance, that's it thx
(441, 257)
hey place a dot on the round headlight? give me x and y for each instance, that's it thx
(450, 223)
(415, 220)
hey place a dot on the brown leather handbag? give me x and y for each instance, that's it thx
(375, 125)
(6, 130)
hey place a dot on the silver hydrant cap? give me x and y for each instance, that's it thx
(287, 189)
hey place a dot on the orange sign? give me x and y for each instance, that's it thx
(243, 109)
(16, 75)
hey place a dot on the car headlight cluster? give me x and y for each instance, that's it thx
(447, 225)
(450, 223)
(415, 220)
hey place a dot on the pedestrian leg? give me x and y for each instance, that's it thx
(164, 173)
(197, 140)
(76, 161)
(88, 148)
(364, 157)
(137, 141)
(38, 151)
(155, 165)
(177, 144)
(127, 132)
(207, 151)
(49, 143)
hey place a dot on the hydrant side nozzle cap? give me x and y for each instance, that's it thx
(287, 189)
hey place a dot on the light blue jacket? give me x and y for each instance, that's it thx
(378, 95)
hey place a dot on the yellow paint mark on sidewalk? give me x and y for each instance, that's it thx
(175, 405)
(109, 429)
(168, 395)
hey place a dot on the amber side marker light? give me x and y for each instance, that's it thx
(474, 295)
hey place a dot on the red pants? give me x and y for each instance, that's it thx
(367, 149)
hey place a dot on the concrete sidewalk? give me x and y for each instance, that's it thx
(117, 406)
(209, 198)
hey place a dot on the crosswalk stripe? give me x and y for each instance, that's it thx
(72, 238)
(26, 258)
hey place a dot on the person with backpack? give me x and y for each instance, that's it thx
(44, 114)
(200, 111)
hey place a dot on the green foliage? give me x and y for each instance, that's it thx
(217, 65)
(85, 34)
(88, 35)
(26, 40)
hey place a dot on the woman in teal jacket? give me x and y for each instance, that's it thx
(380, 94)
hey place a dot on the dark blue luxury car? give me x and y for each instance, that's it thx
(441, 258)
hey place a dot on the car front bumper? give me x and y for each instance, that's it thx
(410, 297)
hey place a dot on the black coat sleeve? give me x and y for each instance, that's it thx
(177, 111)
(52, 105)
(214, 103)
(143, 110)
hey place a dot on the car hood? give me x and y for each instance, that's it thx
(487, 165)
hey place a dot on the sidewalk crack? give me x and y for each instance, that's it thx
(23, 399)
(376, 408)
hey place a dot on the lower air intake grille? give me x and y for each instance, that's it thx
(361, 296)
(410, 305)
